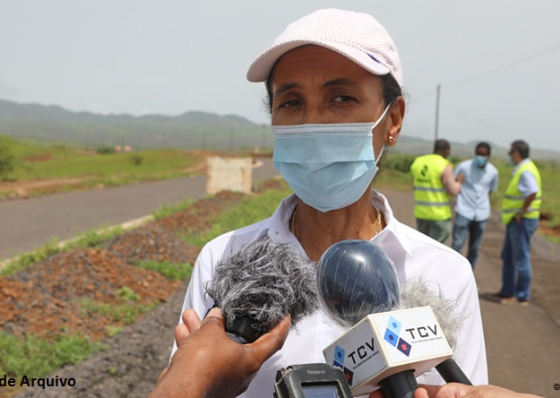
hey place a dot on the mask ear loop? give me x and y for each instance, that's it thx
(374, 126)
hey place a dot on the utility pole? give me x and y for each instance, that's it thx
(437, 111)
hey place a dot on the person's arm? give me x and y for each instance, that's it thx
(451, 186)
(208, 364)
(494, 184)
(459, 173)
(524, 207)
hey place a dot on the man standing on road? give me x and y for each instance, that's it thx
(472, 210)
(520, 214)
(433, 184)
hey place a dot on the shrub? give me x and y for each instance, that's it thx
(136, 159)
(7, 158)
(399, 162)
(105, 150)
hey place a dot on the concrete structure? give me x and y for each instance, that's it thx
(229, 174)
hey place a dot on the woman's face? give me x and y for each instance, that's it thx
(312, 85)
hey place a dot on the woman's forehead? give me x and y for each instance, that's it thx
(312, 64)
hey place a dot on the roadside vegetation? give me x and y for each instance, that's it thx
(37, 356)
(249, 211)
(81, 168)
(87, 240)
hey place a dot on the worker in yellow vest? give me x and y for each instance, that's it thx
(520, 213)
(433, 183)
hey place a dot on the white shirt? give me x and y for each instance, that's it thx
(414, 254)
(473, 202)
(527, 182)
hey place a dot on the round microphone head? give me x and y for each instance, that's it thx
(356, 278)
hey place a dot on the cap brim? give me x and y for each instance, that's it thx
(261, 67)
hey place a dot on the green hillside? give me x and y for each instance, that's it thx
(189, 130)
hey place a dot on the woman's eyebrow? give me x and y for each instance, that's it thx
(341, 82)
(286, 87)
(331, 83)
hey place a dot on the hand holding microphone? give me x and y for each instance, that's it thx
(208, 363)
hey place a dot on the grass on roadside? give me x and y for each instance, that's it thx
(125, 312)
(177, 272)
(34, 356)
(250, 210)
(89, 239)
(168, 209)
(64, 161)
(88, 168)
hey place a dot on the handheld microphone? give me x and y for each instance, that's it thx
(386, 349)
(261, 283)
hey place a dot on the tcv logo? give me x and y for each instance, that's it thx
(339, 355)
(392, 336)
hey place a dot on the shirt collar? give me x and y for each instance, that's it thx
(392, 238)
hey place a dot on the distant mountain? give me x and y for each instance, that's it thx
(189, 130)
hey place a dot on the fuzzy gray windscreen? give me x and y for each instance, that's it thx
(264, 280)
(417, 293)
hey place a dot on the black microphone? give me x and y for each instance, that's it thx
(261, 283)
(356, 278)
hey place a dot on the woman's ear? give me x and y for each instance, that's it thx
(394, 121)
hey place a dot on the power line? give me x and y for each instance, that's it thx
(488, 73)
(424, 94)
(502, 68)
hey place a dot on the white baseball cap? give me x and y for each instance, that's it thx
(356, 35)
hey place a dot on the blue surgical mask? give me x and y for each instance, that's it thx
(480, 161)
(328, 166)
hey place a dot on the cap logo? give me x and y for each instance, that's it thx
(372, 57)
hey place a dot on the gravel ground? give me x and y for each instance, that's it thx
(131, 363)
(44, 300)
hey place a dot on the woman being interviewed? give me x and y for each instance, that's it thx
(334, 83)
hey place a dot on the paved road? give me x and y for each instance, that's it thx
(522, 343)
(28, 224)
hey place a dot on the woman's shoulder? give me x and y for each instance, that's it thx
(425, 249)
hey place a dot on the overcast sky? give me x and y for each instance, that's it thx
(497, 61)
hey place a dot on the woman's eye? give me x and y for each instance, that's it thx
(288, 104)
(343, 98)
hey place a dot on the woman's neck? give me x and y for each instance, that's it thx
(317, 231)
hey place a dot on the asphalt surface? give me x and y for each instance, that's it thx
(523, 343)
(26, 224)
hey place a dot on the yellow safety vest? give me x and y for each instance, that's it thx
(513, 200)
(431, 200)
